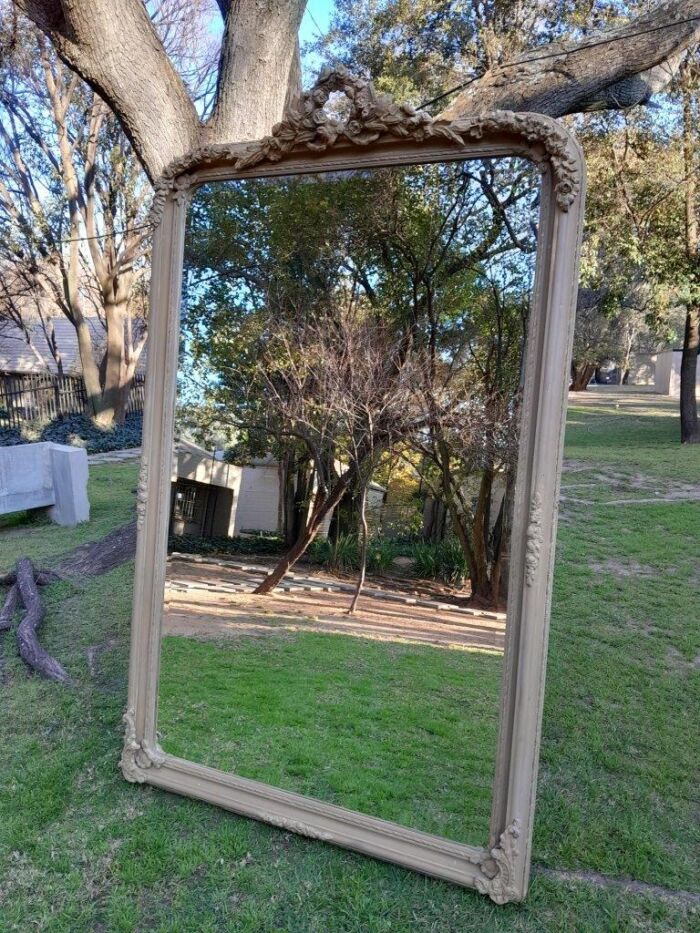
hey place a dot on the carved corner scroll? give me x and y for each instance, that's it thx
(374, 117)
(498, 880)
(137, 756)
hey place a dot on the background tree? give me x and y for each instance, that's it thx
(428, 262)
(344, 386)
(421, 54)
(73, 210)
(73, 217)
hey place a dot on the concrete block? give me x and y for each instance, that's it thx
(45, 475)
(70, 478)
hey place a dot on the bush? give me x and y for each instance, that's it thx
(441, 560)
(77, 431)
(259, 544)
(344, 554)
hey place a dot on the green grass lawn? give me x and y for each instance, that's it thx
(401, 732)
(82, 850)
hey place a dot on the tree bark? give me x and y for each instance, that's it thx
(592, 74)
(258, 64)
(690, 431)
(690, 428)
(364, 537)
(324, 505)
(9, 607)
(581, 374)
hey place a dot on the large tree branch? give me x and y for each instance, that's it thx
(258, 58)
(114, 46)
(595, 74)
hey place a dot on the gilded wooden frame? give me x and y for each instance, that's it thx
(379, 132)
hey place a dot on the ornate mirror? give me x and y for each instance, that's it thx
(358, 361)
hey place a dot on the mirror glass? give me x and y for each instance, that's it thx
(349, 396)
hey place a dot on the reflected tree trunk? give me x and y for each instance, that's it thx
(690, 428)
(364, 538)
(323, 506)
(581, 375)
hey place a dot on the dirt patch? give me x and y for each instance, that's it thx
(200, 602)
(622, 569)
(675, 660)
(575, 466)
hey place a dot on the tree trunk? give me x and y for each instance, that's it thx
(364, 538)
(482, 587)
(580, 376)
(563, 78)
(323, 506)
(690, 433)
(690, 429)
(258, 63)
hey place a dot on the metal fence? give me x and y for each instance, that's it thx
(45, 396)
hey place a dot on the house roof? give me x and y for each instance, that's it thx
(18, 355)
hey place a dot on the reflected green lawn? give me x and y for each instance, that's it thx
(401, 732)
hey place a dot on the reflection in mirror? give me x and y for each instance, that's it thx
(349, 389)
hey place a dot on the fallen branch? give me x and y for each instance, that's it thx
(41, 578)
(30, 650)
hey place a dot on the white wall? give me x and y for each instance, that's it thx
(668, 373)
(45, 475)
(258, 499)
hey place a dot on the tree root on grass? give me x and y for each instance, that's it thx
(87, 560)
(24, 592)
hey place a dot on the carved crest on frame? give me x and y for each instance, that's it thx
(374, 117)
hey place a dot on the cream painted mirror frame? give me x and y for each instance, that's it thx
(379, 133)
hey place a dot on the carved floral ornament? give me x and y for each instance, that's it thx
(374, 117)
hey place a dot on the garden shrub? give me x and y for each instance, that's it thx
(344, 554)
(260, 543)
(441, 560)
(77, 431)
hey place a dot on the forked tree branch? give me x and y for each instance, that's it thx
(114, 46)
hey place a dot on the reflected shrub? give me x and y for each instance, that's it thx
(261, 544)
(343, 554)
(441, 560)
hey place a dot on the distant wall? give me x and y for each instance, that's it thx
(668, 373)
(258, 499)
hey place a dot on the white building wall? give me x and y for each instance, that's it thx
(668, 373)
(258, 500)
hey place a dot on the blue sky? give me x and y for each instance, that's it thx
(316, 19)
(319, 10)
